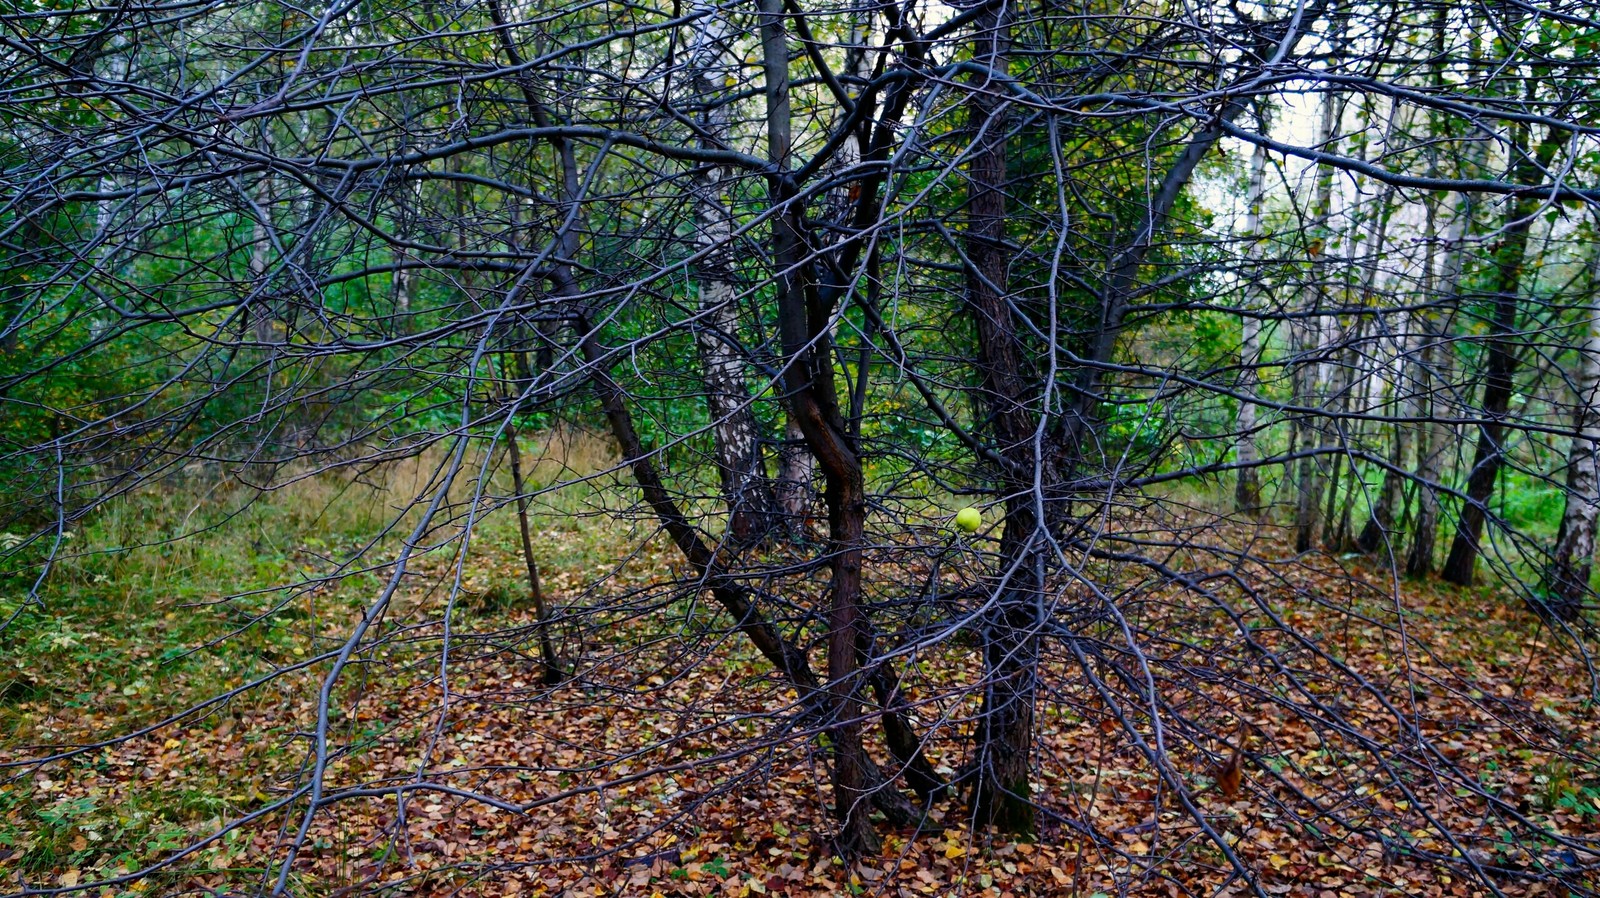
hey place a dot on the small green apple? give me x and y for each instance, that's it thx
(968, 520)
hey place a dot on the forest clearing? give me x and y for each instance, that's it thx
(647, 772)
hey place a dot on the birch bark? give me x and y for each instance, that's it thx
(1247, 496)
(743, 477)
(1573, 558)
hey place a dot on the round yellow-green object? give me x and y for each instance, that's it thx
(968, 520)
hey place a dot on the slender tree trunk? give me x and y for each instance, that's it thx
(1433, 380)
(1431, 440)
(1434, 384)
(260, 260)
(1380, 527)
(1310, 436)
(402, 283)
(745, 487)
(1247, 491)
(1343, 400)
(552, 673)
(1572, 561)
(1310, 379)
(1499, 381)
(1431, 437)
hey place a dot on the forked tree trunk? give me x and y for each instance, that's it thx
(860, 778)
(814, 403)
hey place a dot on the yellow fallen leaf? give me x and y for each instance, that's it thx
(1278, 861)
(953, 850)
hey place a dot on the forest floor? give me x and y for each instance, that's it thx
(631, 794)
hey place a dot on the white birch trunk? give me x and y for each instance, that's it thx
(1313, 376)
(117, 67)
(1381, 386)
(796, 472)
(1573, 559)
(716, 331)
(1435, 440)
(260, 259)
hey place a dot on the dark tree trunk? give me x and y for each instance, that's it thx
(1498, 385)
(814, 402)
(1499, 380)
(1001, 793)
